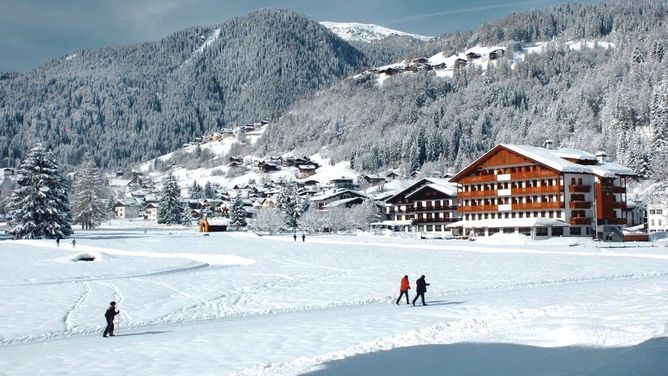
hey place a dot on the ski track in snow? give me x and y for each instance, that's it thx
(181, 317)
(67, 319)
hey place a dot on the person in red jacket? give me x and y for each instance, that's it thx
(403, 289)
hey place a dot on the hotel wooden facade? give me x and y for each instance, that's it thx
(540, 192)
(427, 205)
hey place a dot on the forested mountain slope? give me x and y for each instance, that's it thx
(134, 102)
(578, 94)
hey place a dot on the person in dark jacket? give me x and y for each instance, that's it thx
(303, 238)
(294, 236)
(109, 315)
(403, 289)
(420, 290)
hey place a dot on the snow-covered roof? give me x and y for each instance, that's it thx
(328, 195)
(449, 189)
(548, 158)
(393, 223)
(509, 222)
(342, 202)
(572, 153)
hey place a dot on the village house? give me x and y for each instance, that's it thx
(499, 52)
(306, 170)
(151, 212)
(374, 180)
(657, 217)
(472, 56)
(343, 183)
(342, 196)
(541, 192)
(460, 63)
(427, 206)
(126, 209)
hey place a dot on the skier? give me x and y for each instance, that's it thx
(420, 290)
(303, 238)
(74, 242)
(403, 289)
(294, 236)
(109, 315)
(58, 241)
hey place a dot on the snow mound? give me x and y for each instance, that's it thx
(85, 257)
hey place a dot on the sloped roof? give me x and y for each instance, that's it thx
(554, 159)
(442, 185)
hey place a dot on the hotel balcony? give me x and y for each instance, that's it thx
(491, 178)
(617, 221)
(476, 194)
(579, 188)
(533, 175)
(538, 205)
(619, 205)
(580, 205)
(435, 220)
(547, 189)
(477, 208)
(434, 208)
(580, 221)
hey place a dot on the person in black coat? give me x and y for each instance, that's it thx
(421, 288)
(109, 315)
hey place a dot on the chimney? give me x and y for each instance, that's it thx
(601, 156)
(548, 144)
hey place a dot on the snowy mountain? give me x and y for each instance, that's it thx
(369, 33)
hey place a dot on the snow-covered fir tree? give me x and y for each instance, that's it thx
(291, 204)
(40, 205)
(87, 207)
(170, 208)
(238, 214)
(209, 190)
(196, 191)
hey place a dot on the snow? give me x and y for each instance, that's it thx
(206, 44)
(359, 32)
(278, 307)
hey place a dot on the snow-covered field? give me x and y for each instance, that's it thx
(236, 303)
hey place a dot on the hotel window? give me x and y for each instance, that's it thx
(576, 231)
(508, 230)
(557, 231)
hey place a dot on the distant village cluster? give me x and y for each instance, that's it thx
(423, 64)
(536, 191)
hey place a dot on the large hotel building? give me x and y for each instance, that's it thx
(540, 192)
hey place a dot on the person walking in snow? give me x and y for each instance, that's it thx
(403, 289)
(109, 315)
(58, 241)
(420, 290)
(294, 236)
(74, 242)
(303, 238)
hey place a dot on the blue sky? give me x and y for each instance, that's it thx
(33, 31)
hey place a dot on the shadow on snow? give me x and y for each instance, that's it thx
(648, 359)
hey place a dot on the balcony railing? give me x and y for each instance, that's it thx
(478, 179)
(435, 208)
(617, 189)
(581, 188)
(434, 220)
(580, 205)
(580, 221)
(617, 221)
(537, 205)
(619, 205)
(476, 194)
(546, 189)
(532, 175)
(477, 208)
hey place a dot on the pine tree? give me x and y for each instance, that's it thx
(209, 190)
(170, 208)
(40, 205)
(657, 50)
(86, 207)
(292, 205)
(238, 214)
(196, 191)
